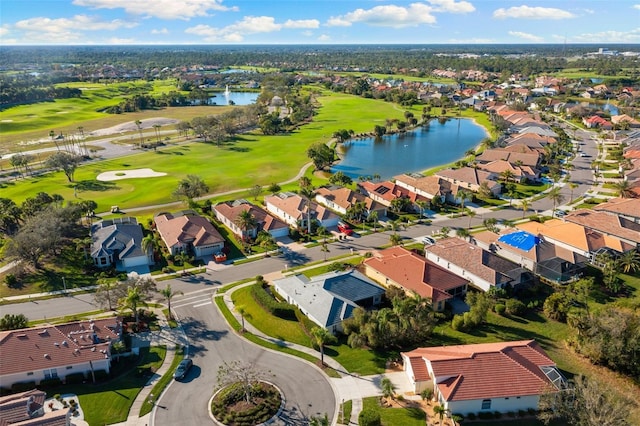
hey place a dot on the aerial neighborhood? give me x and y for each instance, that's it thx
(175, 254)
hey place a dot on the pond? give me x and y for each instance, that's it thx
(238, 98)
(408, 152)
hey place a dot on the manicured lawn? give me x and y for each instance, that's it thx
(251, 159)
(110, 402)
(279, 328)
(396, 416)
(161, 384)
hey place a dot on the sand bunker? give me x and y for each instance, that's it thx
(128, 174)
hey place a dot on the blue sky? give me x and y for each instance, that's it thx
(118, 22)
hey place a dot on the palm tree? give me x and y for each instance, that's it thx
(132, 301)
(506, 176)
(464, 196)
(307, 193)
(373, 217)
(556, 196)
(623, 189)
(572, 187)
(471, 214)
(439, 411)
(395, 239)
(242, 311)
(629, 261)
(182, 257)
(150, 244)
(322, 337)
(387, 388)
(139, 125)
(107, 286)
(245, 221)
(422, 205)
(168, 294)
(463, 233)
(524, 205)
(456, 418)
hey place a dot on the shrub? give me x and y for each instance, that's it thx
(426, 394)
(485, 415)
(264, 299)
(515, 307)
(74, 378)
(22, 386)
(11, 280)
(497, 414)
(471, 416)
(522, 413)
(369, 417)
(511, 414)
(531, 411)
(499, 308)
(457, 323)
(101, 375)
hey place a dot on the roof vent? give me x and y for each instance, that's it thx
(93, 349)
(56, 344)
(46, 356)
(77, 351)
(64, 343)
(43, 332)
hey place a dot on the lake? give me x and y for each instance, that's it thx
(413, 151)
(238, 98)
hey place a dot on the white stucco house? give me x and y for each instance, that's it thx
(55, 351)
(187, 231)
(486, 377)
(294, 210)
(228, 212)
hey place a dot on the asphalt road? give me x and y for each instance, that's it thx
(307, 390)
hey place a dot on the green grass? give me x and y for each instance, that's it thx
(110, 402)
(290, 331)
(233, 322)
(162, 383)
(252, 159)
(345, 412)
(396, 416)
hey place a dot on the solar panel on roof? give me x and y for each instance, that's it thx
(382, 190)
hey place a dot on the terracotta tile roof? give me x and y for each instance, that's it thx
(473, 259)
(486, 370)
(524, 147)
(415, 273)
(265, 221)
(296, 206)
(16, 407)
(467, 175)
(607, 224)
(53, 346)
(499, 166)
(431, 185)
(186, 228)
(512, 157)
(346, 198)
(621, 206)
(388, 191)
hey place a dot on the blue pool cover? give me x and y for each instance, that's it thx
(521, 240)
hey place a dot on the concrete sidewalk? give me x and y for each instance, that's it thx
(171, 338)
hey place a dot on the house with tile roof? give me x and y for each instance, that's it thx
(118, 243)
(397, 266)
(387, 191)
(428, 187)
(626, 232)
(596, 122)
(341, 199)
(470, 179)
(519, 173)
(626, 207)
(293, 209)
(489, 155)
(483, 269)
(27, 409)
(189, 232)
(330, 298)
(55, 351)
(484, 377)
(625, 120)
(539, 255)
(227, 213)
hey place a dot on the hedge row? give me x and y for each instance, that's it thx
(264, 299)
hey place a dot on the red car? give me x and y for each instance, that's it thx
(344, 228)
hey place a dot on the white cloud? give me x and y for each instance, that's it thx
(611, 36)
(471, 41)
(118, 40)
(451, 6)
(4, 31)
(65, 30)
(388, 16)
(248, 25)
(526, 36)
(160, 31)
(163, 9)
(324, 38)
(303, 23)
(636, 6)
(527, 12)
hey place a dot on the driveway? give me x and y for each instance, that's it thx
(307, 390)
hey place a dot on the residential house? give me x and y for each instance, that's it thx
(470, 179)
(397, 266)
(534, 253)
(118, 243)
(484, 377)
(293, 209)
(387, 191)
(227, 213)
(340, 199)
(27, 409)
(428, 187)
(330, 298)
(522, 159)
(625, 120)
(596, 122)
(484, 270)
(628, 208)
(624, 232)
(520, 173)
(189, 232)
(55, 351)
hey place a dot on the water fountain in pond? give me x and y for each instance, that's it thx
(227, 92)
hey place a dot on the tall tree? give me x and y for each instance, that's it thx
(246, 221)
(191, 187)
(65, 161)
(133, 300)
(168, 293)
(556, 196)
(322, 337)
(623, 189)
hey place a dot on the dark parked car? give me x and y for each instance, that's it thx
(182, 369)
